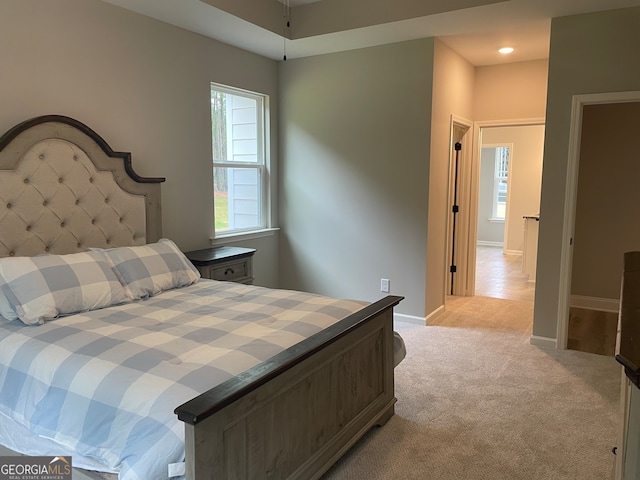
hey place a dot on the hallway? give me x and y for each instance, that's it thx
(503, 299)
(500, 276)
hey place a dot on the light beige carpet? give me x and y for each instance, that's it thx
(476, 401)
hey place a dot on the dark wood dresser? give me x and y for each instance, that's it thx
(226, 263)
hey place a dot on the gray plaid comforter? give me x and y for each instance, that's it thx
(104, 384)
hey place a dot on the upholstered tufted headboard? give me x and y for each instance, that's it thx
(63, 189)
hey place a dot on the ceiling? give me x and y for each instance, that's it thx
(473, 28)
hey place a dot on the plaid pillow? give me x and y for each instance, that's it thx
(46, 286)
(147, 270)
(7, 313)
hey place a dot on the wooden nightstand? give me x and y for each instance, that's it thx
(231, 264)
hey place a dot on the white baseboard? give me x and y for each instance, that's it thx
(400, 317)
(544, 342)
(513, 252)
(487, 243)
(595, 303)
(434, 314)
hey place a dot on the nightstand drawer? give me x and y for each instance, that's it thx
(231, 271)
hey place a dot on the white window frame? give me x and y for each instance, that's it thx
(261, 165)
(497, 178)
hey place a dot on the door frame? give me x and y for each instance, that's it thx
(460, 280)
(570, 199)
(475, 185)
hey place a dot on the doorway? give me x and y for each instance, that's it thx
(499, 273)
(606, 197)
(497, 269)
(458, 224)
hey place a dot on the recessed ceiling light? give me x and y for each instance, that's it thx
(506, 50)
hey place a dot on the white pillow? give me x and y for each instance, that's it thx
(46, 286)
(147, 270)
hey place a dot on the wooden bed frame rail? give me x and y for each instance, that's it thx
(290, 417)
(295, 414)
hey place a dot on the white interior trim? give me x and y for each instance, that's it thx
(566, 257)
(438, 311)
(487, 243)
(595, 303)
(544, 342)
(400, 317)
(239, 236)
(464, 259)
(625, 409)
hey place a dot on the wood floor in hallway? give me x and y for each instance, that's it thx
(503, 298)
(500, 276)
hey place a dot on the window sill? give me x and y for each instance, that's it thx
(496, 220)
(234, 237)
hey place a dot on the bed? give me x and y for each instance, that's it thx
(283, 404)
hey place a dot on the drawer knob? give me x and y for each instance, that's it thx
(229, 271)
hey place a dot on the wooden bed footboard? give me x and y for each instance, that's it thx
(294, 415)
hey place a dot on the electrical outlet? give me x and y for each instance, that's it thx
(384, 285)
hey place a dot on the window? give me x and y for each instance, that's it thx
(239, 160)
(501, 173)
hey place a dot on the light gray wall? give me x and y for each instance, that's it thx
(453, 80)
(354, 133)
(143, 85)
(608, 199)
(488, 231)
(510, 91)
(525, 176)
(590, 53)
